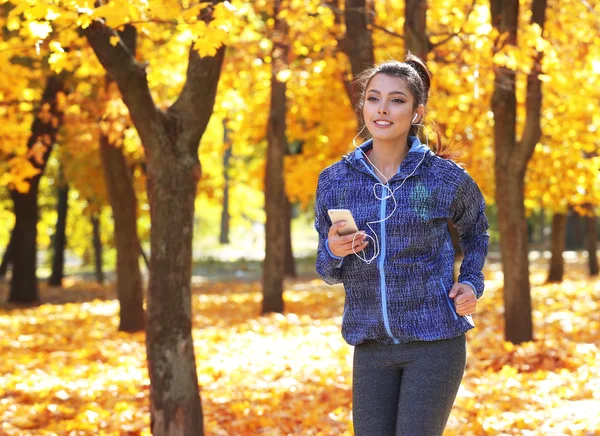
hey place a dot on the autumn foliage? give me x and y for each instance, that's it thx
(465, 51)
(66, 370)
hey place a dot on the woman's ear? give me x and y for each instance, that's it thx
(418, 117)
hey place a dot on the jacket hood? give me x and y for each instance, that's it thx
(411, 162)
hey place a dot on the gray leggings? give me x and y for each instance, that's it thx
(406, 389)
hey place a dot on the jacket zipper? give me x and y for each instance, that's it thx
(386, 321)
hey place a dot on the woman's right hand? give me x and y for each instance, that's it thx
(342, 245)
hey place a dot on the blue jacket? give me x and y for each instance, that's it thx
(402, 296)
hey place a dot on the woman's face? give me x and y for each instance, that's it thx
(388, 108)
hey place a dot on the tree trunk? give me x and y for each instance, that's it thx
(119, 184)
(289, 263)
(542, 236)
(415, 28)
(559, 225)
(515, 262)
(123, 201)
(23, 285)
(224, 236)
(358, 43)
(171, 139)
(511, 161)
(275, 199)
(591, 238)
(97, 242)
(169, 343)
(60, 239)
(7, 258)
(575, 230)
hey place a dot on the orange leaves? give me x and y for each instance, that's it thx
(37, 151)
(513, 388)
(65, 368)
(64, 385)
(20, 170)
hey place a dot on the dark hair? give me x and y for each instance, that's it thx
(416, 74)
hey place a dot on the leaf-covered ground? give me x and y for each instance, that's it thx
(65, 370)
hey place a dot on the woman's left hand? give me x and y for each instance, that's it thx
(464, 299)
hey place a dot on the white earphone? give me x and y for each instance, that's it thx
(390, 193)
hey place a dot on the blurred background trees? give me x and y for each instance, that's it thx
(465, 47)
(108, 126)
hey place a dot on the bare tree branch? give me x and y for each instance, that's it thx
(200, 87)
(130, 77)
(386, 30)
(533, 131)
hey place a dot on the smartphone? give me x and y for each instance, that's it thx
(338, 215)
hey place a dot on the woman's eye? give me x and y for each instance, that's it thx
(371, 98)
(397, 100)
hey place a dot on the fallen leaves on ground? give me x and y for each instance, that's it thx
(65, 370)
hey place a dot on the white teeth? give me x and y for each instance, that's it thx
(383, 123)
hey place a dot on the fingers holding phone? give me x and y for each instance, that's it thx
(343, 245)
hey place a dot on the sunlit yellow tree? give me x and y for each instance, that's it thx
(170, 138)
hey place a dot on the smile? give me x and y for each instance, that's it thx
(382, 123)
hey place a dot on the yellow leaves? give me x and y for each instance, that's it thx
(532, 37)
(84, 21)
(544, 78)
(206, 46)
(165, 10)
(291, 373)
(13, 23)
(209, 37)
(224, 12)
(29, 94)
(58, 61)
(192, 13)
(39, 29)
(55, 47)
(284, 75)
(114, 40)
(20, 171)
(37, 11)
(484, 29)
(513, 58)
(319, 66)
(114, 13)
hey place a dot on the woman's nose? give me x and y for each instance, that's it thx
(382, 110)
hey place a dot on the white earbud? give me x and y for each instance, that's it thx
(414, 118)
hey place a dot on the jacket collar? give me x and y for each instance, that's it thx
(413, 159)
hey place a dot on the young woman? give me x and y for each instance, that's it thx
(403, 312)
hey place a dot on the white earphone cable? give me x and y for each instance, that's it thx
(375, 239)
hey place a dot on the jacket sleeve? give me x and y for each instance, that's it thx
(328, 265)
(468, 216)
